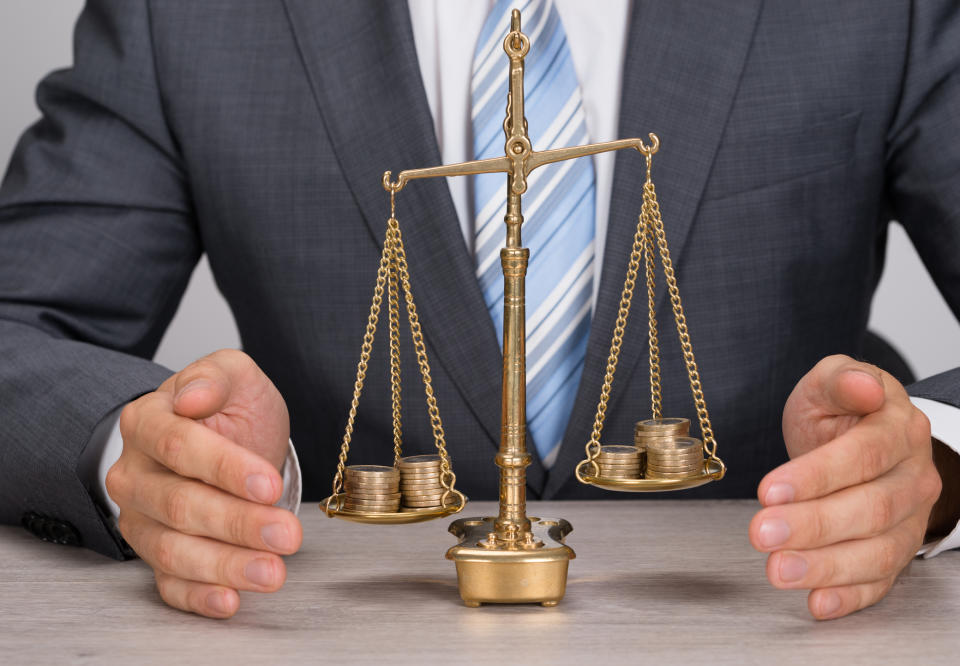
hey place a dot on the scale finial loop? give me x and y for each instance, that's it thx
(648, 151)
(392, 187)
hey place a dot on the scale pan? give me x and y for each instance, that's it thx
(712, 471)
(402, 517)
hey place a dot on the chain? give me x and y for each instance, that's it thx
(593, 446)
(447, 478)
(394, 310)
(656, 407)
(656, 223)
(365, 351)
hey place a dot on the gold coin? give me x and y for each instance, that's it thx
(420, 469)
(669, 426)
(420, 484)
(371, 500)
(371, 503)
(657, 474)
(374, 470)
(618, 450)
(422, 505)
(370, 493)
(426, 460)
(676, 460)
(393, 508)
(620, 474)
(422, 497)
(375, 490)
(679, 443)
(371, 481)
(619, 463)
(422, 488)
(675, 463)
(420, 477)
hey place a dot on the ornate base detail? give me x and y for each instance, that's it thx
(530, 570)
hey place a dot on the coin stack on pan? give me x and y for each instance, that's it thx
(674, 458)
(420, 482)
(372, 488)
(647, 431)
(619, 462)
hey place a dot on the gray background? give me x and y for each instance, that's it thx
(35, 37)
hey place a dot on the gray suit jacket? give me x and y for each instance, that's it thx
(257, 132)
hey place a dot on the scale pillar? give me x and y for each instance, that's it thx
(513, 458)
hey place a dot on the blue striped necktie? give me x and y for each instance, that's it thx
(558, 211)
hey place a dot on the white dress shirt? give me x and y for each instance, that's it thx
(445, 34)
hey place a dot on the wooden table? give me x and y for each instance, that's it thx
(654, 581)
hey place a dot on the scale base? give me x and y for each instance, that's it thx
(531, 571)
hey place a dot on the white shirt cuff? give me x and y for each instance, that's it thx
(945, 426)
(106, 445)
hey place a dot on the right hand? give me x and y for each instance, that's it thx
(196, 481)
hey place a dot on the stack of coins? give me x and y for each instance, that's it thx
(371, 488)
(420, 481)
(674, 458)
(650, 430)
(619, 462)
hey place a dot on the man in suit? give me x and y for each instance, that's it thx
(257, 134)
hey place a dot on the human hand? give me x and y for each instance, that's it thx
(848, 512)
(196, 480)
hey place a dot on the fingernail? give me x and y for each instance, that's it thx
(829, 603)
(872, 376)
(779, 493)
(260, 488)
(792, 567)
(773, 532)
(276, 536)
(217, 603)
(260, 572)
(195, 385)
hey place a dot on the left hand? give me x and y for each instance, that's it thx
(849, 511)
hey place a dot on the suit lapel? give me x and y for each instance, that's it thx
(362, 64)
(680, 76)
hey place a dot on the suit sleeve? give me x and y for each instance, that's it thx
(97, 243)
(923, 159)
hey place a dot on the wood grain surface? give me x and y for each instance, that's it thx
(654, 582)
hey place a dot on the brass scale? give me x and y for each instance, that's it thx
(513, 558)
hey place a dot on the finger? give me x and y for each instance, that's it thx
(194, 450)
(196, 508)
(833, 602)
(840, 386)
(213, 601)
(870, 449)
(848, 563)
(857, 512)
(204, 387)
(201, 559)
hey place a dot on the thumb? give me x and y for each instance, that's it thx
(841, 386)
(204, 387)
